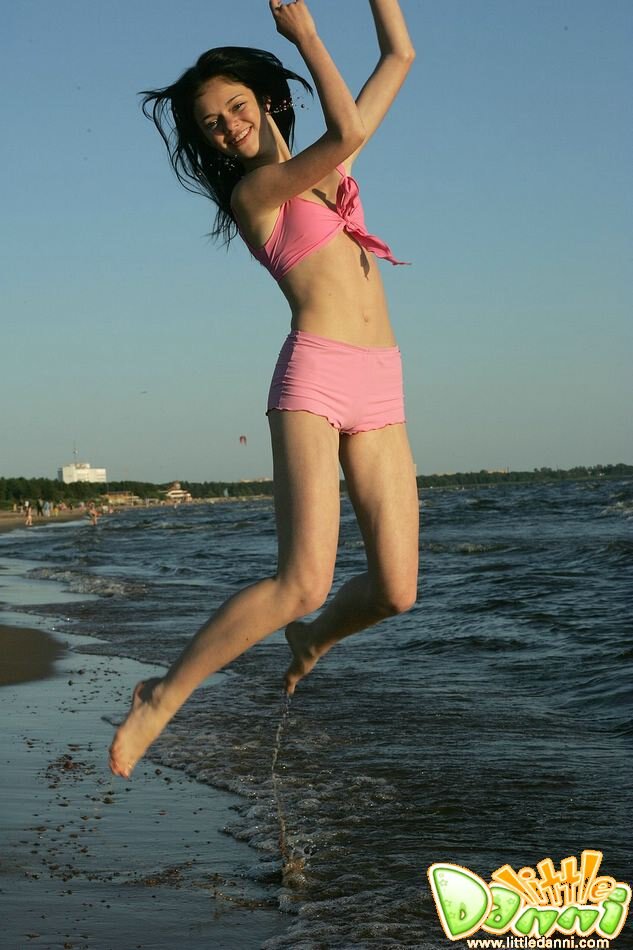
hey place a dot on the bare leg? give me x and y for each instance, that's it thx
(381, 482)
(354, 608)
(305, 457)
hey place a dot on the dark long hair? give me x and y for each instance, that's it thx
(198, 166)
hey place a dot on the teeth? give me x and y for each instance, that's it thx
(240, 136)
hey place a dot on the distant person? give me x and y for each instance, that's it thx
(337, 389)
(28, 514)
(94, 515)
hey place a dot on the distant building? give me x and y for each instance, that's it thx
(122, 498)
(177, 494)
(81, 472)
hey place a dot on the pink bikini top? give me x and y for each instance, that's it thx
(303, 226)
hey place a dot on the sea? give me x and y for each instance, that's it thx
(489, 725)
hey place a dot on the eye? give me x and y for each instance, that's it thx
(238, 106)
(210, 126)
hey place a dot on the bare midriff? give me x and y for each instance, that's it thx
(337, 292)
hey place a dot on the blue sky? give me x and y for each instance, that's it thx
(502, 173)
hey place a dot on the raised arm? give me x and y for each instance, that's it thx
(271, 185)
(396, 56)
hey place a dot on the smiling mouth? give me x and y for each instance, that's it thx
(234, 142)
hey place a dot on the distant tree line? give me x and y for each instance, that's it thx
(227, 489)
(16, 490)
(464, 479)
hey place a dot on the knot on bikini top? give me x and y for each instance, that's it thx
(350, 209)
(303, 226)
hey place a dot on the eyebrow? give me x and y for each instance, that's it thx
(204, 119)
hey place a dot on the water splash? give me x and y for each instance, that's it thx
(292, 862)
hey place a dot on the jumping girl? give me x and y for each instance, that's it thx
(336, 393)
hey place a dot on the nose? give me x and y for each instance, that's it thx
(231, 122)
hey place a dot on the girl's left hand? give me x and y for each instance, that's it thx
(293, 20)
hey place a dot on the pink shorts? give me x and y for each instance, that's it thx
(356, 388)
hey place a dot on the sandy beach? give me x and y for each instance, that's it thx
(9, 520)
(98, 863)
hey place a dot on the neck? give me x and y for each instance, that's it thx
(273, 151)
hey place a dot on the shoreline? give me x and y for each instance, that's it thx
(91, 861)
(10, 520)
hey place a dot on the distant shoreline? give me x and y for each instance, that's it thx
(487, 479)
(10, 520)
(147, 494)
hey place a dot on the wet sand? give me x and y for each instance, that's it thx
(26, 655)
(93, 862)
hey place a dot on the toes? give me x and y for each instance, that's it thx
(290, 683)
(112, 762)
(119, 770)
(115, 764)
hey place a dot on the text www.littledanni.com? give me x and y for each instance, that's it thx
(511, 942)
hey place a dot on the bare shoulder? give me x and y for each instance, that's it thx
(242, 208)
(240, 198)
(254, 221)
(249, 197)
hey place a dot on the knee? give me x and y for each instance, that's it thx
(306, 595)
(310, 598)
(396, 600)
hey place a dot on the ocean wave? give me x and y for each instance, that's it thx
(79, 582)
(619, 552)
(623, 509)
(400, 916)
(464, 547)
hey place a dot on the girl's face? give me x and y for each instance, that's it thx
(230, 118)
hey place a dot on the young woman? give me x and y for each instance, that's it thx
(336, 394)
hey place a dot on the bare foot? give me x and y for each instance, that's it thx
(144, 723)
(304, 654)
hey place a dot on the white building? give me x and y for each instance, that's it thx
(81, 472)
(177, 494)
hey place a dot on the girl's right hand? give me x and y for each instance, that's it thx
(293, 20)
